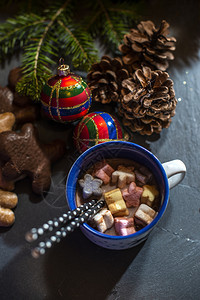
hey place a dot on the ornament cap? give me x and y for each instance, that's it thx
(63, 70)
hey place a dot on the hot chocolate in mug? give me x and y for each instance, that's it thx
(167, 176)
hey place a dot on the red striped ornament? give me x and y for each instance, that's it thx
(65, 97)
(96, 128)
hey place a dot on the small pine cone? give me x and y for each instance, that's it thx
(147, 101)
(148, 46)
(105, 77)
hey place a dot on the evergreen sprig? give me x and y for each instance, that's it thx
(66, 29)
(109, 20)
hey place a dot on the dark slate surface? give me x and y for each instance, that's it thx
(167, 265)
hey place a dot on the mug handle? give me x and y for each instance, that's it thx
(175, 170)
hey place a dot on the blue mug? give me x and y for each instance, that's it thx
(167, 176)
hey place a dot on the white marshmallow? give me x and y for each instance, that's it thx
(103, 220)
(145, 213)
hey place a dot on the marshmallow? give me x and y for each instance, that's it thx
(123, 176)
(124, 226)
(149, 194)
(103, 171)
(132, 195)
(90, 186)
(122, 213)
(144, 214)
(145, 171)
(141, 178)
(103, 220)
(103, 176)
(125, 169)
(115, 202)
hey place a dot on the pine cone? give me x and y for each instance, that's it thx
(105, 77)
(148, 101)
(148, 46)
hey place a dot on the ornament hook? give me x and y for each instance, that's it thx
(63, 70)
(61, 61)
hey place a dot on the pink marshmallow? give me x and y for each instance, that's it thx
(124, 226)
(124, 222)
(132, 195)
(108, 169)
(103, 171)
(127, 231)
(141, 177)
(103, 176)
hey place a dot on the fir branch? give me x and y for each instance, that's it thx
(110, 24)
(41, 41)
(14, 32)
(92, 20)
(35, 62)
(62, 29)
(109, 21)
(26, 6)
(80, 46)
(44, 35)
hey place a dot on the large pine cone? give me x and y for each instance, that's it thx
(105, 77)
(148, 46)
(148, 101)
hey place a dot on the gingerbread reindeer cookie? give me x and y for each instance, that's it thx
(23, 154)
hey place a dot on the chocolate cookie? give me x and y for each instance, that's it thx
(23, 154)
(22, 107)
(6, 184)
(13, 77)
(7, 120)
(6, 100)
